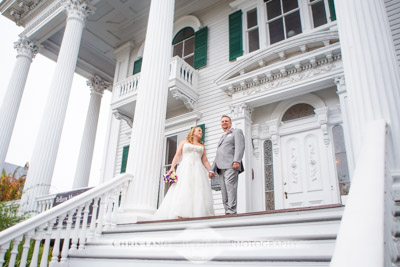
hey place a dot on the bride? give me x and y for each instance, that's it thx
(191, 196)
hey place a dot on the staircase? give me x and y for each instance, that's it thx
(279, 238)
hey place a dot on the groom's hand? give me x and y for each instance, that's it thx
(211, 175)
(236, 165)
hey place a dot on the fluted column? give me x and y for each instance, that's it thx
(146, 147)
(46, 147)
(370, 67)
(97, 87)
(26, 50)
(241, 119)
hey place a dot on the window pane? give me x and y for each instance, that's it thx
(318, 13)
(338, 139)
(289, 5)
(253, 40)
(189, 60)
(276, 33)
(189, 46)
(251, 18)
(178, 49)
(273, 9)
(342, 167)
(293, 24)
(170, 149)
(298, 111)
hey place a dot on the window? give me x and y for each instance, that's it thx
(318, 12)
(342, 168)
(124, 160)
(253, 42)
(283, 19)
(298, 111)
(269, 176)
(183, 44)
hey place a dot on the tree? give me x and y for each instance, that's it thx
(11, 186)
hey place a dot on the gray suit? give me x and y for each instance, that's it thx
(230, 149)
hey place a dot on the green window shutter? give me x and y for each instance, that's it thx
(125, 152)
(235, 35)
(203, 128)
(137, 66)
(200, 48)
(332, 9)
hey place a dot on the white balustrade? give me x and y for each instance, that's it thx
(70, 220)
(180, 73)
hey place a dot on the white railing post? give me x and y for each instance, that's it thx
(103, 203)
(14, 251)
(82, 237)
(38, 238)
(25, 248)
(3, 250)
(74, 243)
(45, 254)
(64, 252)
(92, 230)
(56, 248)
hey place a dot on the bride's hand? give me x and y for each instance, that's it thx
(172, 170)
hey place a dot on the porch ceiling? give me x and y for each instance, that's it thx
(113, 24)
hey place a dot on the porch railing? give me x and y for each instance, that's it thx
(72, 222)
(365, 236)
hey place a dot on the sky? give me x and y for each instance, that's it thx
(31, 111)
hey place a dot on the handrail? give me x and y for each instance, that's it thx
(360, 241)
(104, 201)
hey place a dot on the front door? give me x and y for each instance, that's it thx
(307, 170)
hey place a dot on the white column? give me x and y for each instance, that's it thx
(146, 147)
(241, 119)
(370, 67)
(97, 87)
(342, 93)
(26, 50)
(46, 147)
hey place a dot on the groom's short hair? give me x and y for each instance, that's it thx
(226, 116)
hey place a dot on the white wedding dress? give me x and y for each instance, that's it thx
(191, 196)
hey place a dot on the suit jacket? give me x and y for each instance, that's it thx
(230, 149)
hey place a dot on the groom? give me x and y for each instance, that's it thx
(228, 163)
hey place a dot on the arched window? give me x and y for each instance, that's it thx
(298, 111)
(183, 44)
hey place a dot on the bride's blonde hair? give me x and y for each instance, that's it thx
(189, 137)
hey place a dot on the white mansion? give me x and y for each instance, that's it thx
(313, 84)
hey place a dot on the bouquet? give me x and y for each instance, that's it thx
(170, 178)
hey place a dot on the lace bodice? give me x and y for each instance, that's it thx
(192, 151)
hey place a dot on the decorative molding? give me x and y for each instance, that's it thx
(98, 85)
(322, 118)
(120, 116)
(189, 102)
(241, 110)
(26, 48)
(255, 137)
(340, 82)
(78, 9)
(186, 21)
(42, 18)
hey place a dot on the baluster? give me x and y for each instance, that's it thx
(123, 196)
(82, 238)
(38, 239)
(3, 250)
(109, 207)
(26, 247)
(14, 251)
(93, 219)
(56, 248)
(99, 228)
(75, 234)
(45, 254)
(115, 207)
(191, 78)
(64, 252)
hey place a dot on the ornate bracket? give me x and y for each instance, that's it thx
(322, 117)
(189, 102)
(120, 116)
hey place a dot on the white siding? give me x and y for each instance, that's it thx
(393, 10)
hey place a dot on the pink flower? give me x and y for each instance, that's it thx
(229, 131)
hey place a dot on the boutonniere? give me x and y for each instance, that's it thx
(229, 131)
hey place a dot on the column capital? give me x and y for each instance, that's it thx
(98, 85)
(26, 48)
(241, 110)
(78, 9)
